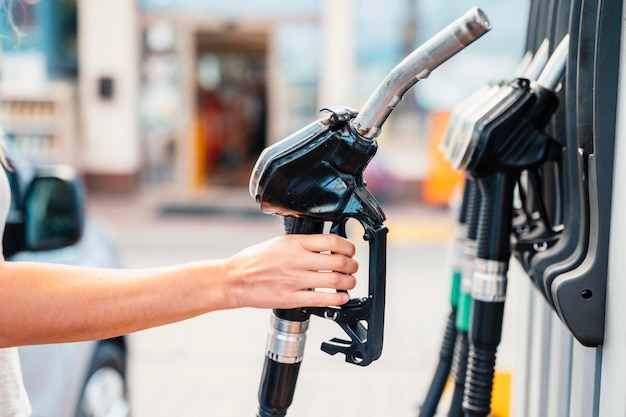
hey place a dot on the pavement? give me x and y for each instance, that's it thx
(211, 365)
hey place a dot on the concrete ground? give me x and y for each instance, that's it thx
(211, 365)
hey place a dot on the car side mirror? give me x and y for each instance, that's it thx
(53, 209)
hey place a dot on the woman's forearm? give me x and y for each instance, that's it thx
(59, 303)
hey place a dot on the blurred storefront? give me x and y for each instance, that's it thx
(248, 73)
(187, 93)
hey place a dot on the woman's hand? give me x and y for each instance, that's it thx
(279, 273)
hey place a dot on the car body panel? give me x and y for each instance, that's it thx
(54, 375)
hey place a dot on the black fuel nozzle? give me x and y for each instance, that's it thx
(512, 136)
(317, 174)
(457, 137)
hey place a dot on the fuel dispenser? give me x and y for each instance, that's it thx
(566, 255)
(572, 273)
(547, 188)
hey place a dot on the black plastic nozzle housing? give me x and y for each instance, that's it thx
(512, 136)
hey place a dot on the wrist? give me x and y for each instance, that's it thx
(230, 292)
(209, 289)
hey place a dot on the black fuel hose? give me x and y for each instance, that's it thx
(442, 371)
(461, 346)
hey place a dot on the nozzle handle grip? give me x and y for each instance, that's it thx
(362, 319)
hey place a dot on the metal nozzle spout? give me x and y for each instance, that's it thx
(473, 24)
(417, 66)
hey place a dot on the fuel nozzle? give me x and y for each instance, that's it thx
(507, 132)
(317, 174)
(458, 139)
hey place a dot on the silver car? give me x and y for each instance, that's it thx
(47, 224)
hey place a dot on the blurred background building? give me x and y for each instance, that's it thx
(186, 93)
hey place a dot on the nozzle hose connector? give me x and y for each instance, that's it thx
(489, 280)
(286, 339)
(446, 354)
(417, 66)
